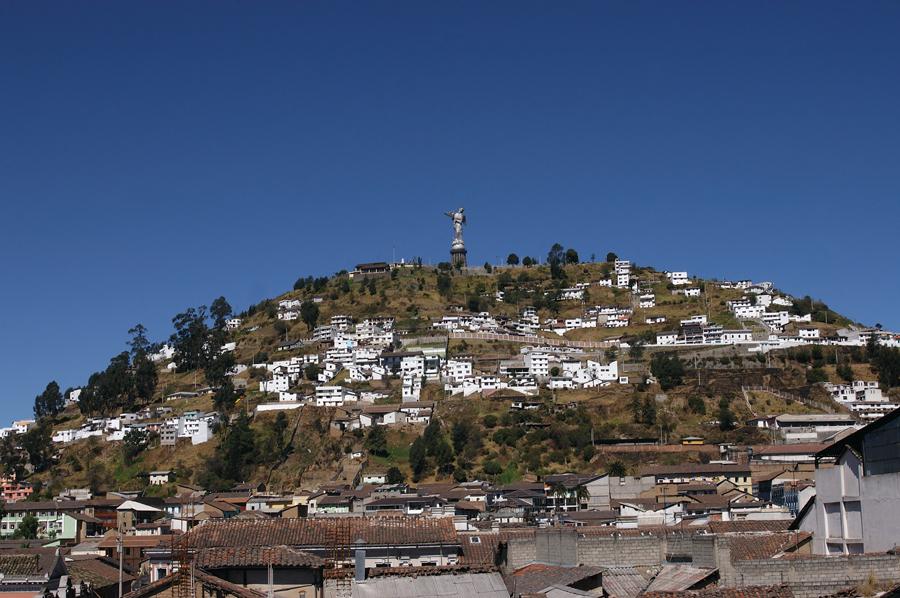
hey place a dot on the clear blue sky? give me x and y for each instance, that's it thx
(156, 155)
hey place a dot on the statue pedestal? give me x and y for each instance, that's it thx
(458, 257)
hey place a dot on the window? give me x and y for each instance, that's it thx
(833, 527)
(475, 540)
(852, 519)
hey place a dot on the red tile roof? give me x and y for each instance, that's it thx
(256, 556)
(713, 592)
(323, 531)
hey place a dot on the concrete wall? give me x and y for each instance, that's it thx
(815, 576)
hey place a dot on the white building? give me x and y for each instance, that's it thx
(538, 364)
(678, 278)
(333, 396)
(856, 503)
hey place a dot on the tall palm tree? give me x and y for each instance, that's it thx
(582, 495)
(558, 490)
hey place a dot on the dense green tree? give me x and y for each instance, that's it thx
(648, 412)
(395, 476)
(886, 361)
(512, 259)
(190, 339)
(845, 372)
(617, 469)
(376, 441)
(311, 372)
(696, 404)
(461, 432)
(238, 450)
(527, 261)
(635, 407)
(571, 256)
(134, 442)
(816, 375)
(221, 312)
(139, 343)
(50, 402)
(556, 257)
(611, 257)
(225, 397)
(27, 529)
(12, 460)
(309, 313)
(668, 369)
(726, 416)
(489, 421)
(37, 446)
(636, 349)
(418, 459)
(444, 284)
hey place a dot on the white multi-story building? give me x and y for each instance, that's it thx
(678, 278)
(278, 383)
(538, 364)
(457, 369)
(731, 337)
(333, 396)
(647, 301)
(856, 503)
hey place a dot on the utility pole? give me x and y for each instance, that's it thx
(120, 541)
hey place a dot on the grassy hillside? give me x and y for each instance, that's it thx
(486, 437)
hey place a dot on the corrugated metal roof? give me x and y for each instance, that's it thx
(465, 585)
(675, 578)
(623, 582)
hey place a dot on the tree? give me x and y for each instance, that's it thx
(648, 412)
(134, 442)
(611, 257)
(37, 445)
(489, 421)
(726, 416)
(144, 377)
(527, 261)
(311, 372)
(376, 441)
(395, 476)
(139, 343)
(636, 350)
(278, 429)
(845, 372)
(27, 528)
(668, 369)
(816, 375)
(309, 313)
(418, 458)
(12, 461)
(50, 402)
(225, 397)
(617, 469)
(488, 268)
(571, 256)
(443, 456)
(444, 284)
(461, 432)
(556, 257)
(696, 404)
(238, 449)
(635, 407)
(190, 339)
(512, 259)
(492, 467)
(221, 312)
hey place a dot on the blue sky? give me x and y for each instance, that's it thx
(156, 155)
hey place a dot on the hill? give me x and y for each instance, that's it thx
(218, 359)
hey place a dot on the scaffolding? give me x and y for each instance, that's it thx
(182, 554)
